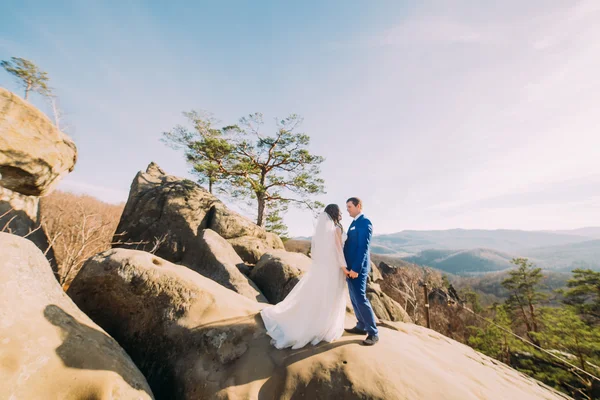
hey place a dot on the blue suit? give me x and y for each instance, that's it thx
(357, 254)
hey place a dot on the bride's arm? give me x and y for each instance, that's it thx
(339, 249)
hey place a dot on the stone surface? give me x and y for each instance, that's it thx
(194, 339)
(48, 347)
(20, 215)
(277, 272)
(250, 248)
(169, 215)
(216, 259)
(34, 155)
(385, 308)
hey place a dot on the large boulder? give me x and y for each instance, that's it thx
(230, 224)
(249, 248)
(165, 212)
(274, 241)
(252, 248)
(277, 272)
(169, 214)
(194, 339)
(48, 347)
(216, 259)
(181, 329)
(34, 155)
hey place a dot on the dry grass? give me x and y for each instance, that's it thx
(78, 227)
(298, 246)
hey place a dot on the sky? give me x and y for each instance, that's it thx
(439, 115)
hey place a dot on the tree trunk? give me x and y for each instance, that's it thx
(210, 185)
(260, 219)
(27, 89)
(533, 320)
(56, 111)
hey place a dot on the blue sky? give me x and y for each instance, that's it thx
(454, 114)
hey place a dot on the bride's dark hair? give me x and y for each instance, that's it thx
(334, 212)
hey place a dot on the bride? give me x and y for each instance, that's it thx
(314, 310)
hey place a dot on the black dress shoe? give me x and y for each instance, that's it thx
(371, 340)
(356, 331)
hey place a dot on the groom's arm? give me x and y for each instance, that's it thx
(362, 250)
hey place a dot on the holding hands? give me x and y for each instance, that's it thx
(349, 273)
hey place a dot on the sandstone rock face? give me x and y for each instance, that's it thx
(20, 215)
(249, 248)
(194, 339)
(48, 347)
(274, 242)
(277, 273)
(34, 155)
(229, 224)
(181, 329)
(217, 260)
(375, 274)
(163, 207)
(384, 306)
(171, 214)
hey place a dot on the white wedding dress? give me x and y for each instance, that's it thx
(314, 310)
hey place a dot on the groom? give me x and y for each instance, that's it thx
(356, 252)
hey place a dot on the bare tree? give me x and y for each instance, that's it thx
(77, 228)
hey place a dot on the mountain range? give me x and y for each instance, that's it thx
(476, 251)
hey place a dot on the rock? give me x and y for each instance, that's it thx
(173, 214)
(229, 224)
(375, 274)
(216, 259)
(251, 248)
(245, 269)
(163, 208)
(181, 328)
(277, 272)
(20, 215)
(384, 307)
(194, 339)
(386, 269)
(48, 347)
(34, 155)
(169, 214)
(274, 241)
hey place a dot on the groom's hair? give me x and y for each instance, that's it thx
(354, 200)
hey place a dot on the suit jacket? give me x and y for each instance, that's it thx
(357, 246)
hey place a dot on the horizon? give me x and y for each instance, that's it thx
(555, 231)
(437, 116)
